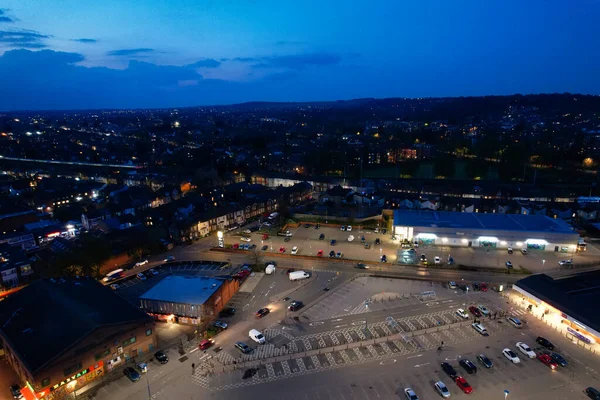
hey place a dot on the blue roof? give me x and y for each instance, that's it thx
(503, 222)
(183, 289)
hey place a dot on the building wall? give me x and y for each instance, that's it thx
(98, 353)
(566, 242)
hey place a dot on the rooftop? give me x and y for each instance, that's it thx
(47, 318)
(503, 222)
(183, 289)
(576, 296)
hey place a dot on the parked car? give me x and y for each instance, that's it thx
(153, 271)
(265, 236)
(560, 360)
(115, 286)
(544, 342)
(384, 258)
(452, 285)
(449, 370)
(377, 241)
(511, 356)
(592, 393)
(476, 287)
(510, 250)
(161, 357)
(295, 305)
(410, 394)
(262, 312)
(475, 311)
(15, 390)
(480, 328)
(524, 252)
(343, 228)
(468, 366)
(565, 262)
(525, 349)
(227, 312)
(243, 347)
(514, 321)
(264, 248)
(235, 246)
(442, 389)
(484, 310)
(423, 258)
(282, 249)
(463, 385)
(331, 254)
(485, 361)
(132, 374)
(509, 265)
(351, 238)
(220, 324)
(349, 228)
(462, 313)
(321, 236)
(141, 276)
(362, 266)
(307, 225)
(436, 260)
(320, 253)
(338, 254)
(547, 360)
(252, 246)
(295, 250)
(483, 287)
(332, 243)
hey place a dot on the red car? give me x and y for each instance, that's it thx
(205, 344)
(236, 245)
(475, 311)
(483, 287)
(547, 360)
(463, 385)
(265, 237)
(282, 249)
(320, 253)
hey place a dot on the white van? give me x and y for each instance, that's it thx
(298, 275)
(270, 269)
(274, 215)
(256, 336)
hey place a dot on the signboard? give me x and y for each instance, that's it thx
(77, 376)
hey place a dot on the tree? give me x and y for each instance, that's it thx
(256, 258)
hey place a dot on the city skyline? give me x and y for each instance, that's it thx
(179, 53)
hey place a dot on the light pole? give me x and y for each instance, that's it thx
(148, 383)
(543, 262)
(367, 302)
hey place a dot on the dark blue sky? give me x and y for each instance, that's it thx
(64, 54)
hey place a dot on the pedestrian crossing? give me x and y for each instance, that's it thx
(448, 335)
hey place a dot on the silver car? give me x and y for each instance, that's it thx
(442, 389)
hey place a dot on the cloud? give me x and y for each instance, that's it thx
(206, 63)
(289, 43)
(299, 61)
(85, 40)
(245, 59)
(6, 18)
(23, 38)
(129, 52)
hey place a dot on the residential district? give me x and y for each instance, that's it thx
(370, 249)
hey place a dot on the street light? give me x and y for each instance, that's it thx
(543, 262)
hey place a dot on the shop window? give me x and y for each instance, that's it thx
(129, 341)
(45, 382)
(149, 332)
(72, 369)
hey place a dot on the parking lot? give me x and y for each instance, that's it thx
(309, 243)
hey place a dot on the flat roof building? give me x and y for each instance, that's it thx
(61, 334)
(572, 300)
(188, 299)
(532, 232)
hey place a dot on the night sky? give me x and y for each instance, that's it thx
(67, 54)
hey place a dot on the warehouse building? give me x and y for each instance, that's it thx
(569, 302)
(188, 299)
(531, 232)
(61, 334)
